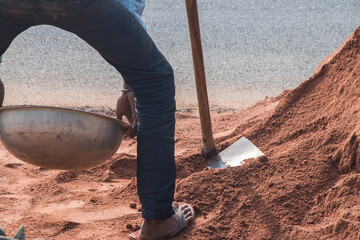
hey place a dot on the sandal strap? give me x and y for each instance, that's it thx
(178, 212)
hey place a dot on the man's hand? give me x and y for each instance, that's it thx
(126, 107)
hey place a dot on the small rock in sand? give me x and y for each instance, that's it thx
(132, 205)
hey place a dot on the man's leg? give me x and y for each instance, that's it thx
(122, 41)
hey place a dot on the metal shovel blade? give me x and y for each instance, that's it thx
(235, 155)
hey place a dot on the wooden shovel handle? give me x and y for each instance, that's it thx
(208, 145)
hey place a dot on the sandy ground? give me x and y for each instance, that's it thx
(307, 186)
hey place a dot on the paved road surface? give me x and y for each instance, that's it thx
(253, 49)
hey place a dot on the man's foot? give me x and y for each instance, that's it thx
(156, 229)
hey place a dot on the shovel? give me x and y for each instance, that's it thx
(243, 148)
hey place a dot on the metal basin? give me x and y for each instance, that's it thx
(60, 138)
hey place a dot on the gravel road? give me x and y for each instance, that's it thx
(252, 49)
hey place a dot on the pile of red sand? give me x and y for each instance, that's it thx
(307, 186)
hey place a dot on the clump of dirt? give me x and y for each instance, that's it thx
(307, 186)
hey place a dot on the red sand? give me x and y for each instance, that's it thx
(307, 186)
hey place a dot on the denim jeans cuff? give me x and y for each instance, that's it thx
(156, 215)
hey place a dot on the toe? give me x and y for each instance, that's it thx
(188, 212)
(188, 215)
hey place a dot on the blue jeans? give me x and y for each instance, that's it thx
(136, 7)
(118, 36)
